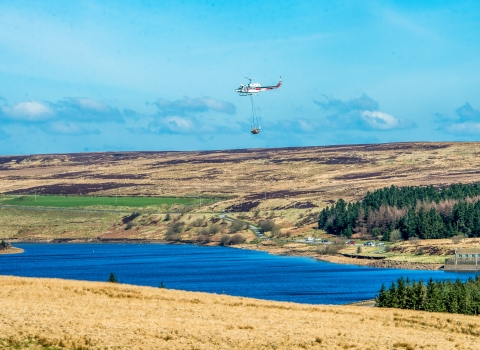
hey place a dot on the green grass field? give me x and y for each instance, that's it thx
(80, 201)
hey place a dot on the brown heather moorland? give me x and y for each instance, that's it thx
(287, 185)
(305, 177)
(56, 314)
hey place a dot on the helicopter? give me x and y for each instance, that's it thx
(254, 88)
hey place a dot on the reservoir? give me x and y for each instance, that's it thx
(218, 270)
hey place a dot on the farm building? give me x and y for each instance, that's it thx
(465, 259)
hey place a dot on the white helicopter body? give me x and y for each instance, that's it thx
(254, 88)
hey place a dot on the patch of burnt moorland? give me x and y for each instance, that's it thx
(346, 160)
(9, 159)
(243, 206)
(355, 176)
(70, 175)
(71, 189)
(400, 146)
(297, 205)
(91, 175)
(120, 176)
(216, 160)
(280, 194)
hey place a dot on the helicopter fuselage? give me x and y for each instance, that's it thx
(254, 88)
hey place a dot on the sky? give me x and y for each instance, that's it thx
(90, 76)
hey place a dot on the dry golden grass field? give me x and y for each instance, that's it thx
(253, 178)
(57, 314)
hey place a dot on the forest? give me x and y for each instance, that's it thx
(406, 212)
(437, 296)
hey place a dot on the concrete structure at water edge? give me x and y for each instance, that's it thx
(466, 259)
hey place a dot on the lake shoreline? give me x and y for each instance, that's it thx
(271, 249)
(11, 250)
(340, 259)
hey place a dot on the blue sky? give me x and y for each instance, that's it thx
(160, 75)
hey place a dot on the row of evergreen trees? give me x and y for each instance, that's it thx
(437, 296)
(423, 212)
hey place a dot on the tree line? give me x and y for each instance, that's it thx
(437, 296)
(423, 212)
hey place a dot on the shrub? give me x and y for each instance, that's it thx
(414, 240)
(236, 226)
(174, 231)
(214, 229)
(287, 234)
(266, 225)
(225, 240)
(329, 249)
(173, 237)
(197, 222)
(395, 236)
(237, 239)
(232, 239)
(176, 227)
(359, 250)
(112, 278)
(202, 239)
(275, 230)
(333, 249)
(167, 217)
(129, 225)
(202, 231)
(457, 239)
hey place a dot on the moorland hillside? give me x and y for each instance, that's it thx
(264, 179)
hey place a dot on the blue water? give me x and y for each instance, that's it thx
(210, 269)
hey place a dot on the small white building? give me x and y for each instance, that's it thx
(466, 259)
(467, 254)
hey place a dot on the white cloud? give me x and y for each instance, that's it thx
(68, 109)
(466, 121)
(68, 128)
(90, 104)
(380, 120)
(193, 105)
(28, 111)
(359, 113)
(178, 123)
(86, 110)
(463, 128)
(173, 124)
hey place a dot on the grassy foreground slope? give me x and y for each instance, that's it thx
(51, 314)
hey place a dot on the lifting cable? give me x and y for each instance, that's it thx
(254, 115)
